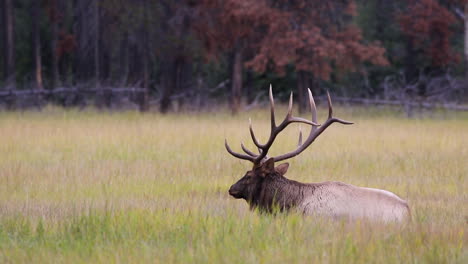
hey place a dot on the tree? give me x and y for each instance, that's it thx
(180, 48)
(144, 35)
(233, 26)
(429, 27)
(9, 50)
(2, 40)
(317, 38)
(54, 17)
(176, 47)
(36, 43)
(85, 31)
(465, 20)
(96, 45)
(460, 9)
(427, 24)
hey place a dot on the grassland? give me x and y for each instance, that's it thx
(129, 188)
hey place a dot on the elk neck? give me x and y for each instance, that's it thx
(278, 192)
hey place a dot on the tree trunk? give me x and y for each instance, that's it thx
(2, 40)
(180, 68)
(36, 39)
(106, 45)
(145, 59)
(54, 44)
(466, 40)
(75, 61)
(144, 94)
(124, 60)
(96, 45)
(167, 83)
(82, 56)
(236, 86)
(248, 87)
(103, 99)
(411, 68)
(9, 51)
(86, 32)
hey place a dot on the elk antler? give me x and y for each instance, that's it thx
(315, 131)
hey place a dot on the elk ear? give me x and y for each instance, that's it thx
(269, 165)
(282, 168)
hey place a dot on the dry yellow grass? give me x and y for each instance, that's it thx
(125, 187)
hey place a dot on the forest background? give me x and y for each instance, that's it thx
(187, 54)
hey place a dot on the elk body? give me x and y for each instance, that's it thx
(265, 188)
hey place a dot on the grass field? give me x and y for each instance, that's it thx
(130, 188)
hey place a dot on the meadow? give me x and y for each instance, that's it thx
(124, 187)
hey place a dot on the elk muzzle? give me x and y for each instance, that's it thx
(235, 193)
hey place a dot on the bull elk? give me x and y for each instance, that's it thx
(265, 188)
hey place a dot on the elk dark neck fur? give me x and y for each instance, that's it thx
(278, 192)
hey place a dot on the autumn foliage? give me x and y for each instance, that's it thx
(313, 36)
(223, 24)
(66, 43)
(429, 26)
(352, 47)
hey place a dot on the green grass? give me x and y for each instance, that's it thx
(125, 187)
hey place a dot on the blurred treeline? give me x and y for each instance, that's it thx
(189, 53)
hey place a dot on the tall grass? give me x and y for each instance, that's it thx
(125, 187)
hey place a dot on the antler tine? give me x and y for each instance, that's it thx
(263, 148)
(330, 113)
(313, 108)
(290, 106)
(272, 109)
(275, 130)
(315, 131)
(300, 136)
(252, 135)
(237, 155)
(247, 151)
(273, 123)
(291, 119)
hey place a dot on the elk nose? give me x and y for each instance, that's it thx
(232, 192)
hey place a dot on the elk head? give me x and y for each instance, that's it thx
(263, 167)
(247, 186)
